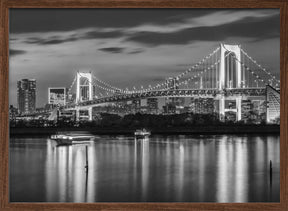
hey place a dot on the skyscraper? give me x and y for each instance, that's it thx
(136, 106)
(172, 102)
(57, 96)
(152, 104)
(246, 109)
(26, 95)
(202, 105)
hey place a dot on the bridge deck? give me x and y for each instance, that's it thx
(205, 93)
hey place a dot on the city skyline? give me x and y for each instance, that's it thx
(140, 48)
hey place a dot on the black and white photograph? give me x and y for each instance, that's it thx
(144, 105)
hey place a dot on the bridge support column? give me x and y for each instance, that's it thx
(238, 107)
(77, 114)
(221, 75)
(90, 114)
(267, 113)
(222, 108)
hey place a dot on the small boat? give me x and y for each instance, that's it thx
(141, 134)
(68, 139)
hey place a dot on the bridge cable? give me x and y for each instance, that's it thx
(262, 68)
(182, 74)
(247, 68)
(106, 84)
(251, 71)
(101, 87)
(203, 71)
(70, 88)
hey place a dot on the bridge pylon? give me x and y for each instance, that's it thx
(226, 73)
(84, 92)
(226, 68)
(84, 87)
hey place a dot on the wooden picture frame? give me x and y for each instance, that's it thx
(4, 90)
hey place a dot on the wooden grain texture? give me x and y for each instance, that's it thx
(4, 133)
(145, 3)
(284, 105)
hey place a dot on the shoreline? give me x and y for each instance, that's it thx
(203, 129)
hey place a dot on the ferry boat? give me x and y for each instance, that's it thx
(142, 133)
(68, 139)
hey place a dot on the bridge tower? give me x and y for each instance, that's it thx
(84, 89)
(83, 86)
(230, 75)
(227, 67)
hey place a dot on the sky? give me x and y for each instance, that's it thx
(130, 47)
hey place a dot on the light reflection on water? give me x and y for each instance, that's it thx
(224, 168)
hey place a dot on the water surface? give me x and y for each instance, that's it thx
(212, 168)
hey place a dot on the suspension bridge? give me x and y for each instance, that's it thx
(227, 73)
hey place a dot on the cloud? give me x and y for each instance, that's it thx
(13, 52)
(249, 27)
(58, 39)
(50, 40)
(102, 35)
(253, 26)
(121, 50)
(52, 20)
(112, 50)
(136, 51)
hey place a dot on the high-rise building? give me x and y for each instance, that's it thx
(230, 116)
(202, 105)
(57, 96)
(152, 105)
(171, 103)
(263, 110)
(12, 112)
(169, 109)
(26, 95)
(273, 105)
(246, 110)
(136, 106)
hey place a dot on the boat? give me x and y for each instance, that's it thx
(142, 134)
(69, 139)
